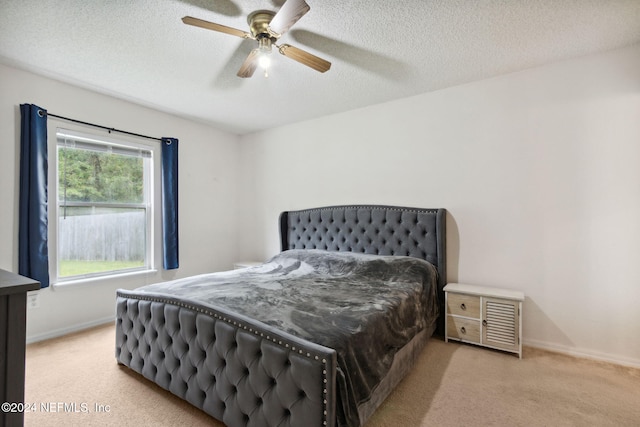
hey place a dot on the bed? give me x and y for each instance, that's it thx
(229, 343)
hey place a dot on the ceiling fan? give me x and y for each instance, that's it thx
(266, 27)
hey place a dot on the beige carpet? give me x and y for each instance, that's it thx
(453, 385)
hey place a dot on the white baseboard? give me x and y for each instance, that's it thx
(68, 330)
(584, 354)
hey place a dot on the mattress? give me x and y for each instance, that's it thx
(366, 307)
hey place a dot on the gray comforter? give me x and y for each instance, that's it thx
(366, 307)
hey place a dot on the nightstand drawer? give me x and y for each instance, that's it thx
(463, 329)
(463, 305)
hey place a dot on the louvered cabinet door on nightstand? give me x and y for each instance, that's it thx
(491, 317)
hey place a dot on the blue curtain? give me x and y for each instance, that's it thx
(33, 254)
(169, 174)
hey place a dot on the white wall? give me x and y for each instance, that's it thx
(539, 171)
(208, 176)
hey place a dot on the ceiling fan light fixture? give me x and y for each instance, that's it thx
(264, 56)
(264, 44)
(264, 61)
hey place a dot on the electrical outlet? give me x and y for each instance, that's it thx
(33, 299)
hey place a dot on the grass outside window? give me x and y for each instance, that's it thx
(78, 268)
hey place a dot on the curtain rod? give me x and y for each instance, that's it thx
(42, 112)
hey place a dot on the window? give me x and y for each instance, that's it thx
(104, 206)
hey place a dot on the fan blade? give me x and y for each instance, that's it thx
(249, 65)
(189, 20)
(289, 14)
(304, 57)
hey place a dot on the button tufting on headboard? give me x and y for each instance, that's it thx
(384, 230)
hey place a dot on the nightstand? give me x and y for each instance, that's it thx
(486, 316)
(245, 264)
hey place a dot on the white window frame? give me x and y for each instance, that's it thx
(55, 210)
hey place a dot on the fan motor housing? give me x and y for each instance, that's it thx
(259, 23)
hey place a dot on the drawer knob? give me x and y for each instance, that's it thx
(463, 307)
(463, 330)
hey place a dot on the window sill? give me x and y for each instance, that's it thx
(92, 280)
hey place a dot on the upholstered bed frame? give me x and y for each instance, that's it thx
(244, 372)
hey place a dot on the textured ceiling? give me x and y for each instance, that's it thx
(380, 50)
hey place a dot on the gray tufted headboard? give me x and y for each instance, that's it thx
(372, 229)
